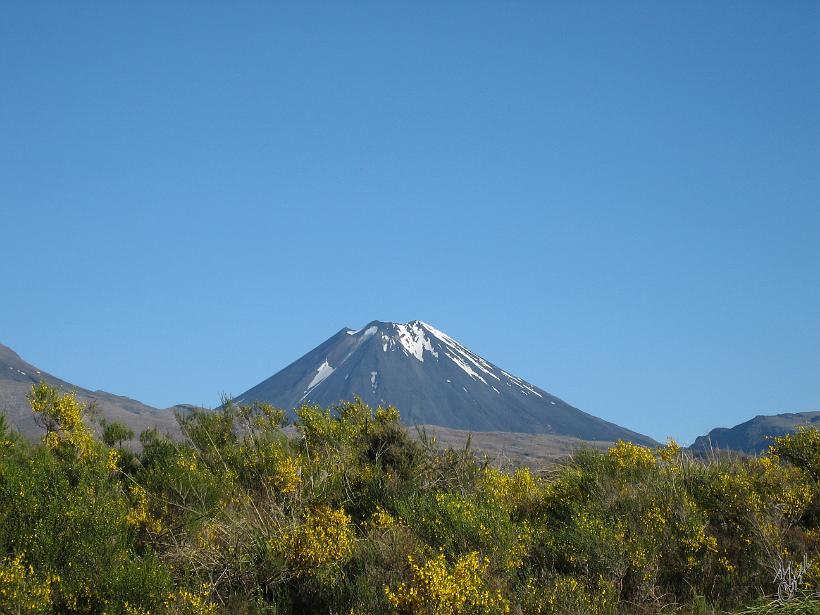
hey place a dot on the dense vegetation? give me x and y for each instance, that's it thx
(348, 514)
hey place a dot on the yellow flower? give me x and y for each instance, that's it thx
(727, 565)
(20, 590)
(387, 415)
(113, 460)
(325, 538)
(185, 602)
(670, 451)
(381, 519)
(629, 456)
(440, 589)
(287, 475)
(62, 417)
(139, 515)
(509, 490)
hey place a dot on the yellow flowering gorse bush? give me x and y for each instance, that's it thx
(509, 490)
(438, 588)
(564, 595)
(325, 538)
(139, 516)
(20, 590)
(628, 456)
(62, 418)
(185, 602)
(381, 519)
(349, 514)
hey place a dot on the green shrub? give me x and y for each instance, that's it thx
(349, 514)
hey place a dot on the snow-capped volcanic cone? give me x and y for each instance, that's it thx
(431, 379)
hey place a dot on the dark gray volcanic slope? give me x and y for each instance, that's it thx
(754, 435)
(17, 376)
(431, 379)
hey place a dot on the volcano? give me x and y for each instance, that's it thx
(432, 379)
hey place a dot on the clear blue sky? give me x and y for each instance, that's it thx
(619, 202)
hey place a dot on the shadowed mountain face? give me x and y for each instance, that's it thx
(17, 376)
(754, 435)
(431, 379)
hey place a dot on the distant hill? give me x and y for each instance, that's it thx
(751, 436)
(432, 379)
(17, 376)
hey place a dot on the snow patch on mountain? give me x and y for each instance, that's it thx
(460, 362)
(521, 384)
(415, 342)
(367, 332)
(323, 372)
(473, 358)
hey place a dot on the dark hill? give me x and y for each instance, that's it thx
(754, 435)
